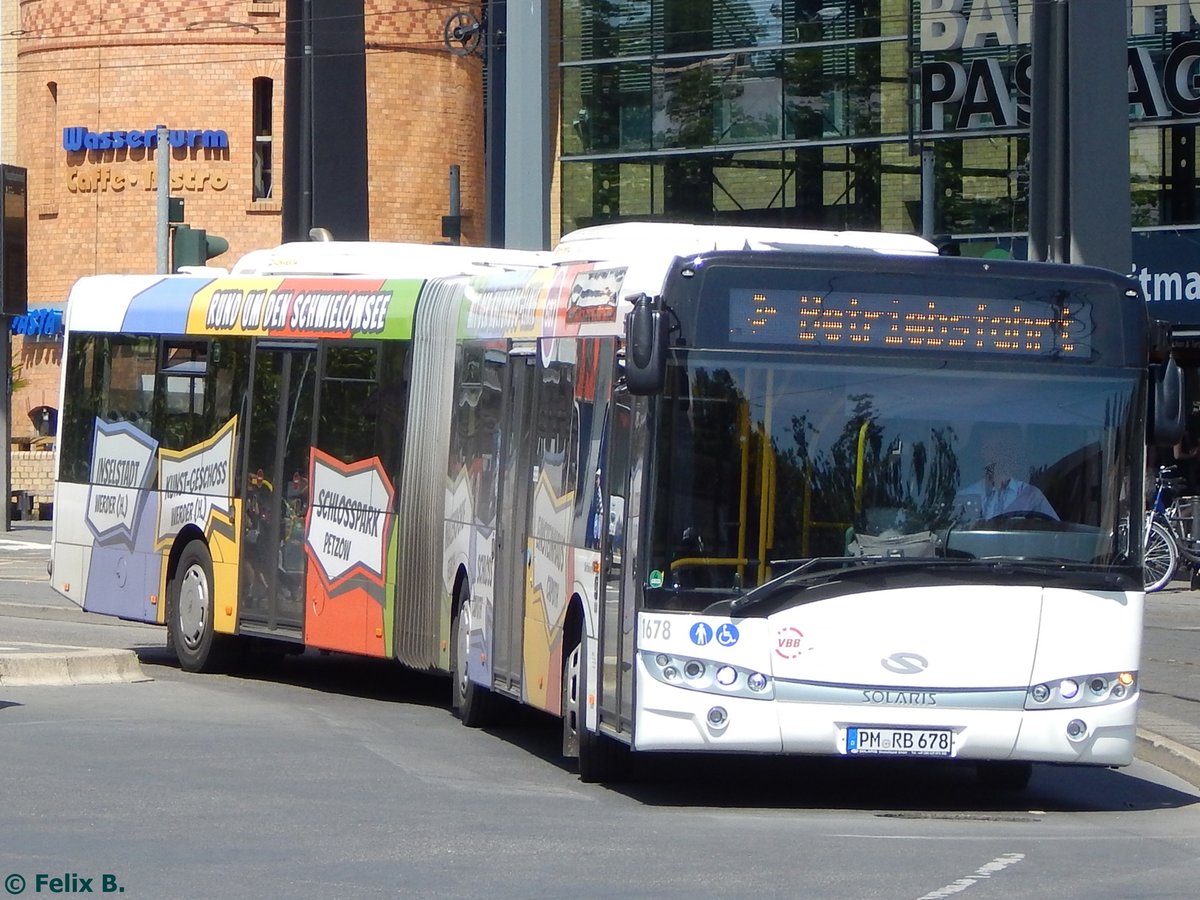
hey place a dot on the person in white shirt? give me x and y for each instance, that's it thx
(1000, 492)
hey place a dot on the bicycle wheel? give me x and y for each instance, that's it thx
(1161, 558)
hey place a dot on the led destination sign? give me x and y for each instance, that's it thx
(1027, 327)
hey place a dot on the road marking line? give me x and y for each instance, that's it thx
(24, 545)
(999, 864)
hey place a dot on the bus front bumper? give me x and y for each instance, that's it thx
(674, 718)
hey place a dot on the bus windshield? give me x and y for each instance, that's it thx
(766, 461)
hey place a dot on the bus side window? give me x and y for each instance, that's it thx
(179, 390)
(82, 396)
(225, 387)
(350, 402)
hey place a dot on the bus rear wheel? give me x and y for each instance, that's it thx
(190, 611)
(472, 703)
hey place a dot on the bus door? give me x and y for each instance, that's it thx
(275, 488)
(517, 481)
(619, 487)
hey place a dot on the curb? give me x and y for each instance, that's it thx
(1179, 759)
(24, 665)
(65, 612)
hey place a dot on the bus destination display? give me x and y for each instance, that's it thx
(1027, 327)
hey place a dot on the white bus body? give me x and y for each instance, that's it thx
(691, 488)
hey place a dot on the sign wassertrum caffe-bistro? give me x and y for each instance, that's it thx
(124, 160)
(974, 62)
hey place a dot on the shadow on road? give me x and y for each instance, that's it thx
(894, 788)
(331, 673)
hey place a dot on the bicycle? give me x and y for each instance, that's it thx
(1169, 536)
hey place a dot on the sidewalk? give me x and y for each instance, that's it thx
(23, 664)
(26, 663)
(27, 533)
(1168, 715)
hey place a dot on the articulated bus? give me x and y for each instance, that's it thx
(688, 488)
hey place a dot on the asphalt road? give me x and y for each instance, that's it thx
(326, 775)
(331, 776)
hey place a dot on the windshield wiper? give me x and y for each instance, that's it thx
(823, 570)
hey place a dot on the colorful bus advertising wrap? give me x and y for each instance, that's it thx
(277, 307)
(347, 540)
(196, 483)
(565, 301)
(122, 469)
(131, 522)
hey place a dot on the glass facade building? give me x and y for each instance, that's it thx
(814, 113)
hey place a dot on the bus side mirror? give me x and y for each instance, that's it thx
(1167, 418)
(646, 333)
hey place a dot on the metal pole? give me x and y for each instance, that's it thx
(1060, 183)
(1049, 135)
(456, 203)
(928, 190)
(1040, 148)
(162, 155)
(306, 130)
(5, 414)
(1097, 90)
(494, 116)
(527, 137)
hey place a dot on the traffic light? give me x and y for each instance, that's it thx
(14, 268)
(194, 247)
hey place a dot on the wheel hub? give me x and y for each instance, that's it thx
(464, 646)
(193, 606)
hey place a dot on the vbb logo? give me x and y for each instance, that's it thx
(788, 642)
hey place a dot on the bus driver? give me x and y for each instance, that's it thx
(999, 492)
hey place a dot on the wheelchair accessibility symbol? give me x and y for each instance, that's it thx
(702, 633)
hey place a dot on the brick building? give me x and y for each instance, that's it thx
(85, 81)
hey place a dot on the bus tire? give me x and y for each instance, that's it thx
(190, 609)
(601, 759)
(472, 703)
(1161, 558)
(571, 714)
(1004, 776)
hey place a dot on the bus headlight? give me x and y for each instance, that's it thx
(708, 676)
(1082, 690)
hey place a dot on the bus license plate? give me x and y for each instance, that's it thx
(899, 741)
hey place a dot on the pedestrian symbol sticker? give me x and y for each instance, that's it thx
(727, 635)
(701, 633)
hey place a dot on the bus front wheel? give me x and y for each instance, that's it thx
(190, 611)
(601, 758)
